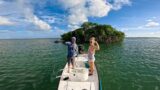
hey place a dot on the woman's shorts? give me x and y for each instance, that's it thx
(91, 58)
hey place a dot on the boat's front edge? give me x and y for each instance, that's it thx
(100, 81)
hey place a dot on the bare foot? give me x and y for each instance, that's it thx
(90, 74)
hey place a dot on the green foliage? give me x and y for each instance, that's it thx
(87, 25)
(103, 33)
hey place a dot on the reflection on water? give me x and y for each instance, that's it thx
(34, 64)
(131, 65)
(30, 64)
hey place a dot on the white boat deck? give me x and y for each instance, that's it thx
(92, 83)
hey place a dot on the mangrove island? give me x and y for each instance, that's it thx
(103, 33)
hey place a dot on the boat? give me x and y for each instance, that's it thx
(77, 78)
(57, 41)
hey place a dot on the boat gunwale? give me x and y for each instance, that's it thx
(60, 79)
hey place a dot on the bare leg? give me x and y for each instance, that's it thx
(69, 63)
(68, 68)
(93, 66)
(91, 63)
(73, 62)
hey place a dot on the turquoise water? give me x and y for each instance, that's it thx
(131, 65)
(34, 64)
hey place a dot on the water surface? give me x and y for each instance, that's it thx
(34, 64)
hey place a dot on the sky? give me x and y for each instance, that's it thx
(52, 18)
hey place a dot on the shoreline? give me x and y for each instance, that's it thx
(60, 38)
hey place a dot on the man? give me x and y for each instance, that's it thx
(72, 52)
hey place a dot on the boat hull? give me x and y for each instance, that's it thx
(87, 83)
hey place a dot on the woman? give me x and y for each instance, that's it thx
(93, 46)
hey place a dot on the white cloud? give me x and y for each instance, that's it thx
(29, 15)
(41, 24)
(8, 8)
(98, 8)
(1, 2)
(55, 18)
(73, 27)
(154, 17)
(4, 31)
(117, 4)
(138, 28)
(58, 30)
(152, 24)
(72, 3)
(149, 20)
(77, 17)
(49, 19)
(5, 21)
(22, 13)
(77, 11)
(80, 10)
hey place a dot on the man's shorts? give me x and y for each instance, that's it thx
(70, 60)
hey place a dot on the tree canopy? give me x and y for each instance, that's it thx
(102, 33)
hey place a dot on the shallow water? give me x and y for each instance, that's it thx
(34, 64)
(131, 65)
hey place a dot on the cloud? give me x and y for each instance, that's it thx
(23, 12)
(49, 19)
(4, 31)
(77, 11)
(77, 17)
(117, 4)
(152, 24)
(5, 21)
(149, 20)
(58, 30)
(80, 10)
(1, 2)
(98, 8)
(38, 22)
(73, 27)
(154, 17)
(29, 15)
(139, 28)
(58, 19)
(72, 3)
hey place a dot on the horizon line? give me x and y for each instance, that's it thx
(58, 38)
